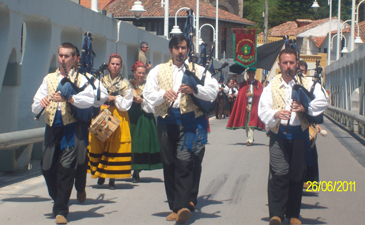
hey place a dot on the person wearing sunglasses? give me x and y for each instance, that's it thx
(142, 55)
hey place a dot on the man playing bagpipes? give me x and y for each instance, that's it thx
(63, 132)
(288, 121)
(180, 123)
(244, 112)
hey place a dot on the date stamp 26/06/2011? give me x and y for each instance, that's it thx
(331, 186)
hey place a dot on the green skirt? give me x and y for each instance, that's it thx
(145, 147)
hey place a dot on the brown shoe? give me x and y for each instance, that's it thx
(275, 220)
(171, 217)
(191, 206)
(249, 144)
(183, 215)
(294, 220)
(61, 219)
(81, 196)
(305, 185)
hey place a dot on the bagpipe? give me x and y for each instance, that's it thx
(67, 88)
(302, 95)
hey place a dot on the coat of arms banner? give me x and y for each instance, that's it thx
(244, 47)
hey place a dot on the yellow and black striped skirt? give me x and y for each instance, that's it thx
(112, 158)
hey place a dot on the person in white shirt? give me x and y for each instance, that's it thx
(289, 145)
(180, 124)
(63, 131)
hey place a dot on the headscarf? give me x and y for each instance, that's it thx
(138, 64)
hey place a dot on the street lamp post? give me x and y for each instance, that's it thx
(137, 9)
(216, 26)
(315, 7)
(166, 18)
(176, 29)
(358, 38)
(344, 49)
(197, 50)
(338, 30)
(214, 37)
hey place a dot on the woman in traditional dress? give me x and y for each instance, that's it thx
(112, 158)
(145, 146)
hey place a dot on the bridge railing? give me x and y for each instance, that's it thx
(16, 148)
(353, 121)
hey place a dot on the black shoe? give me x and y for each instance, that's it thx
(101, 181)
(112, 184)
(135, 178)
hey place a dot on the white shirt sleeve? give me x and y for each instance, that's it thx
(39, 95)
(226, 89)
(265, 111)
(147, 107)
(152, 92)
(103, 94)
(124, 103)
(319, 103)
(85, 98)
(209, 91)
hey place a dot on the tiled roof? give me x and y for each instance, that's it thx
(317, 41)
(101, 3)
(292, 28)
(121, 8)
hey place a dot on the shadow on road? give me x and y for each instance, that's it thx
(310, 194)
(315, 206)
(99, 200)
(254, 144)
(304, 220)
(117, 186)
(32, 198)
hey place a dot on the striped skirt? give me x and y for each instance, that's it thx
(112, 158)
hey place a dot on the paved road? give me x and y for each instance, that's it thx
(233, 188)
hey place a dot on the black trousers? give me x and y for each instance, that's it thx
(58, 167)
(197, 171)
(313, 170)
(178, 165)
(219, 106)
(287, 169)
(80, 176)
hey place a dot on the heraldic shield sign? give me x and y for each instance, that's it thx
(244, 47)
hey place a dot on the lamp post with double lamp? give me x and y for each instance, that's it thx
(214, 37)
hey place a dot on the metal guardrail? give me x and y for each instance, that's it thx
(20, 138)
(355, 122)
